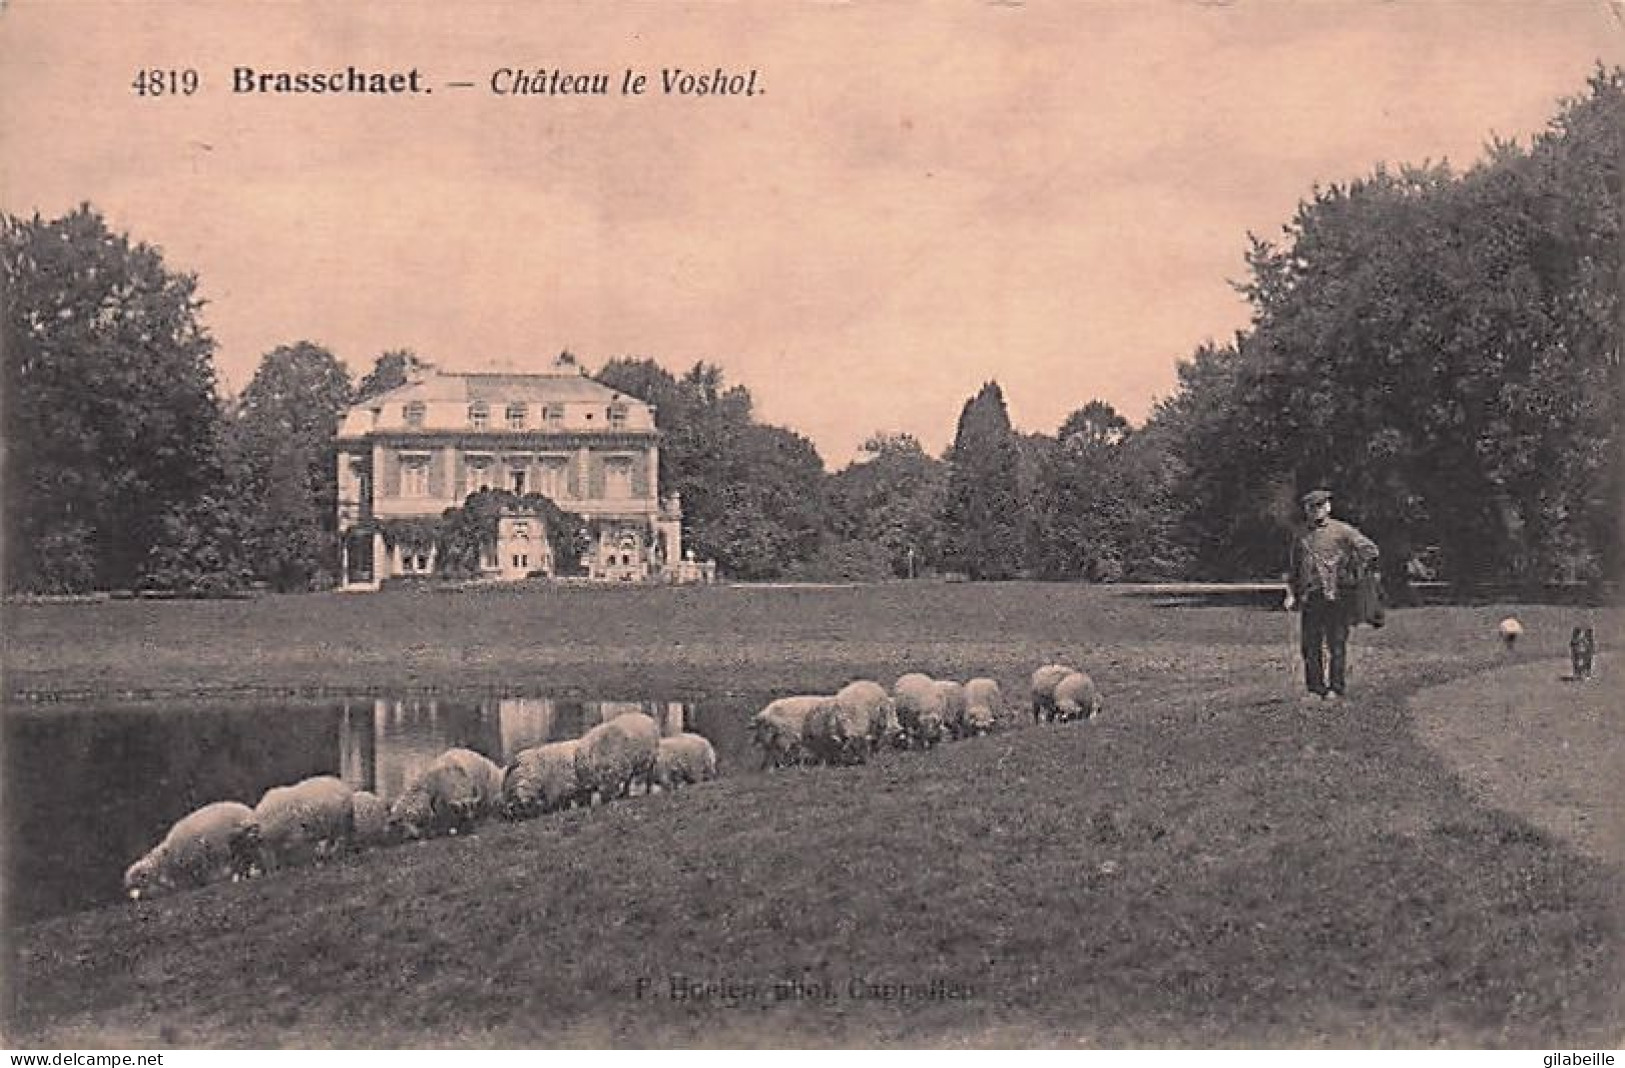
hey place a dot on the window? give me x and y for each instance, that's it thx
(617, 417)
(521, 531)
(412, 413)
(618, 478)
(555, 480)
(518, 415)
(480, 472)
(414, 476)
(516, 482)
(553, 414)
(479, 415)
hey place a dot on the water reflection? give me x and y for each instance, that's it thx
(88, 789)
(382, 747)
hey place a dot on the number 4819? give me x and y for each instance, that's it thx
(157, 81)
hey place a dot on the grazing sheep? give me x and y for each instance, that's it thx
(1510, 630)
(1076, 698)
(210, 845)
(370, 819)
(1043, 690)
(920, 709)
(953, 708)
(779, 729)
(871, 700)
(614, 755)
(541, 779)
(303, 823)
(683, 759)
(838, 733)
(458, 789)
(984, 706)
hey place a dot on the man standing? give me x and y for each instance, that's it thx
(1328, 560)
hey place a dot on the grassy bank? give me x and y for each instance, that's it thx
(1211, 864)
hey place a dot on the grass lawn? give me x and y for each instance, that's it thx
(1213, 863)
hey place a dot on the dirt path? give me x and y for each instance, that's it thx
(1533, 741)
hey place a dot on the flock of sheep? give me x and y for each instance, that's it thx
(919, 712)
(323, 816)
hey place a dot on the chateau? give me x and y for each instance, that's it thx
(424, 447)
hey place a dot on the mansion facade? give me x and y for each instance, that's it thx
(417, 450)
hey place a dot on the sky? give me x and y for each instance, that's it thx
(922, 197)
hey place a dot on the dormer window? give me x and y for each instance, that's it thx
(617, 417)
(518, 415)
(553, 415)
(479, 415)
(412, 413)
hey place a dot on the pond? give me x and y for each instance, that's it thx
(88, 789)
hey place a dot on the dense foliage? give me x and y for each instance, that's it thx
(1445, 351)
(467, 534)
(109, 408)
(983, 519)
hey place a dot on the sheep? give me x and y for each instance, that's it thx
(458, 789)
(1076, 698)
(838, 733)
(779, 728)
(370, 820)
(984, 706)
(1043, 689)
(682, 759)
(306, 822)
(1510, 630)
(614, 755)
(210, 845)
(875, 705)
(953, 708)
(920, 709)
(541, 779)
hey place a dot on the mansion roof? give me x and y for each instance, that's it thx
(562, 400)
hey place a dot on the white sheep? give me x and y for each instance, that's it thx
(541, 779)
(1076, 698)
(308, 821)
(921, 711)
(984, 706)
(458, 789)
(1510, 630)
(370, 819)
(953, 708)
(683, 759)
(210, 845)
(778, 730)
(875, 705)
(838, 733)
(1044, 682)
(615, 755)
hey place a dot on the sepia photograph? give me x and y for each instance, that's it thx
(991, 524)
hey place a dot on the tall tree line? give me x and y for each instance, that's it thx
(1443, 349)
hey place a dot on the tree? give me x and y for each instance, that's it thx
(283, 432)
(891, 498)
(751, 493)
(390, 370)
(109, 402)
(1095, 427)
(468, 533)
(985, 517)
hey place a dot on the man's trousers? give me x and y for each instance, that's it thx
(1325, 630)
